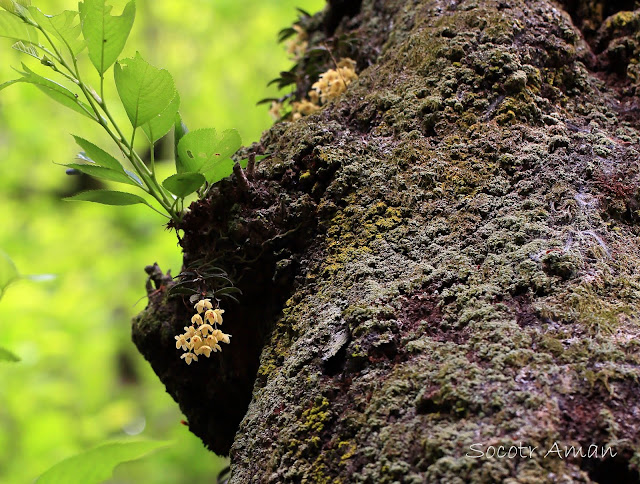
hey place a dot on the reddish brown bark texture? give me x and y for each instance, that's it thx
(445, 256)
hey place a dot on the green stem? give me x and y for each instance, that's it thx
(64, 74)
(152, 156)
(164, 214)
(137, 162)
(157, 185)
(133, 138)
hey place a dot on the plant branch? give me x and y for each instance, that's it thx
(97, 104)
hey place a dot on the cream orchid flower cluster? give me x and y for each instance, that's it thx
(202, 338)
(297, 46)
(329, 86)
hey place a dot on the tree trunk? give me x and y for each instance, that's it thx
(444, 257)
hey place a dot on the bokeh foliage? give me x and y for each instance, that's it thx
(80, 381)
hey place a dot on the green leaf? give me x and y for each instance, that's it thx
(145, 91)
(106, 34)
(13, 27)
(54, 90)
(11, 5)
(108, 197)
(183, 184)
(98, 155)
(8, 272)
(104, 173)
(6, 355)
(227, 145)
(96, 465)
(163, 122)
(15, 6)
(194, 148)
(182, 290)
(203, 152)
(284, 34)
(227, 290)
(8, 83)
(65, 26)
(179, 130)
(27, 48)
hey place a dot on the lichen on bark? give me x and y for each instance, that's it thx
(445, 256)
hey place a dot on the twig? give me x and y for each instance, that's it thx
(241, 177)
(251, 165)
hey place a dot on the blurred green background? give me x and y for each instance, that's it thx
(81, 381)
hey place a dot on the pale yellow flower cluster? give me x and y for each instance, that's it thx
(297, 46)
(303, 108)
(335, 81)
(329, 86)
(276, 110)
(203, 336)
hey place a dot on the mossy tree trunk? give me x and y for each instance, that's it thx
(445, 256)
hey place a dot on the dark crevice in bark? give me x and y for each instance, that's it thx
(338, 10)
(611, 470)
(334, 358)
(610, 30)
(589, 15)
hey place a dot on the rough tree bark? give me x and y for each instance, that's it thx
(445, 256)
